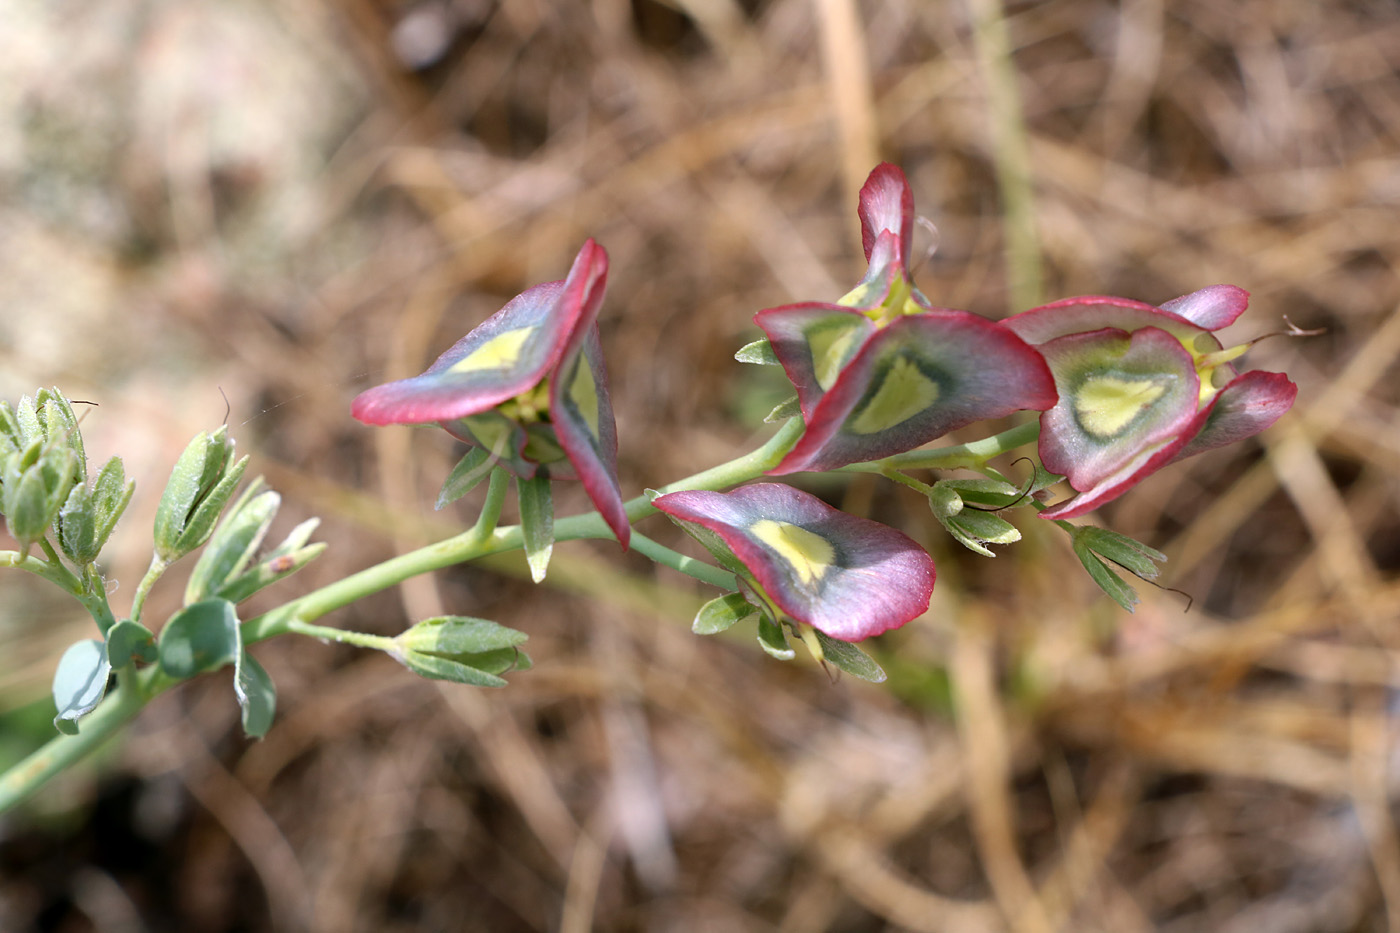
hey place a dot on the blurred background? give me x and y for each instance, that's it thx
(250, 211)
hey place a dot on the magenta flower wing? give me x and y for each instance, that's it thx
(582, 414)
(1213, 307)
(847, 577)
(509, 353)
(1247, 405)
(1095, 312)
(914, 381)
(1127, 404)
(887, 203)
(814, 342)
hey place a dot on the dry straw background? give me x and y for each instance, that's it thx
(283, 203)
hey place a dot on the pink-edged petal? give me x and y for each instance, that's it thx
(814, 342)
(848, 577)
(1095, 312)
(497, 434)
(1143, 463)
(1248, 405)
(1213, 307)
(1120, 395)
(887, 203)
(921, 377)
(886, 267)
(582, 413)
(509, 353)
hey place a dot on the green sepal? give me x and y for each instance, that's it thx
(974, 530)
(721, 613)
(474, 467)
(77, 526)
(60, 426)
(759, 352)
(30, 428)
(129, 641)
(201, 637)
(257, 696)
(79, 683)
(849, 658)
(199, 487)
(991, 493)
(788, 408)
(37, 482)
(289, 557)
(772, 639)
(536, 523)
(11, 435)
(233, 543)
(111, 491)
(462, 649)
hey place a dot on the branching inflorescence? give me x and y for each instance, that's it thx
(1121, 389)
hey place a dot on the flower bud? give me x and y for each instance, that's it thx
(223, 568)
(200, 486)
(461, 649)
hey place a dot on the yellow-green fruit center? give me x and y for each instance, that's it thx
(1105, 405)
(810, 555)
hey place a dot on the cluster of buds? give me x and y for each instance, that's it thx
(44, 483)
(1122, 387)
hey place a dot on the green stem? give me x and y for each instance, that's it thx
(94, 599)
(661, 554)
(964, 456)
(340, 636)
(134, 690)
(137, 687)
(56, 574)
(153, 573)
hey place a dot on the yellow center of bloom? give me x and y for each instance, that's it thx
(904, 393)
(810, 555)
(1105, 405)
(830, 346)
(583, 392)
(500, 352)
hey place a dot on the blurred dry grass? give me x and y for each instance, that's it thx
(288, 202)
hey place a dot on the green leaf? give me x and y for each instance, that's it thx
(536, 523)
(273, 567)
(201, 637)
(129, 641)
(1108, 581)
(787, 408)
(474, 467)
(1133, 556)
(759, 352)
(849, 658)
(79, 683)
(772, 639)
(721, 613)
(257, 697)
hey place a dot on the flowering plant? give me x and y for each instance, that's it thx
(1120, 389)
